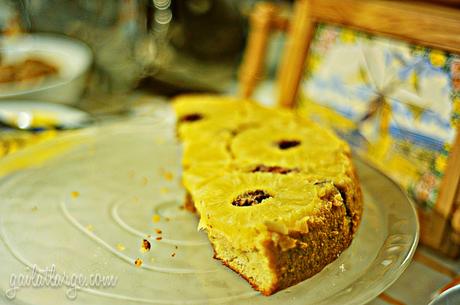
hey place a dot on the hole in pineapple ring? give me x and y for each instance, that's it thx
(250, 198)
(192, 117)
(273, 169)
(286, 144)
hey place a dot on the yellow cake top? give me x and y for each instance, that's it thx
(252, 169)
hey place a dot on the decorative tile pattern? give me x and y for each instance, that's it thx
(395, 102)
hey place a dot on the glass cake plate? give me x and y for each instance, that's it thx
(79, 206)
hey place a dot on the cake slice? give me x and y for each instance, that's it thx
(277, 194)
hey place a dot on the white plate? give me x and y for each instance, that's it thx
(119, 173)
(57, 115)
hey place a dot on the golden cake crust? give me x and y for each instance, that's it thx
(325, 241)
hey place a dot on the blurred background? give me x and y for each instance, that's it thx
(163, 46)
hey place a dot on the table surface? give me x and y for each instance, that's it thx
(427, 273)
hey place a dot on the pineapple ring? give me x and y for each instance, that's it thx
(284, 199)
(289, 147)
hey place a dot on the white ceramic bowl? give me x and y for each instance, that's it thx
(72, 57)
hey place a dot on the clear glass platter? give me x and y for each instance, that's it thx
(84, 202)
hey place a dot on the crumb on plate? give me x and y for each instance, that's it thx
(156, 218)
(138, 262)
(120, 247)
(145, 245)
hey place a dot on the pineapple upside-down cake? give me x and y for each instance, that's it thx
(276, 193)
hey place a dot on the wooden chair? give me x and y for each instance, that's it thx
(418, 23)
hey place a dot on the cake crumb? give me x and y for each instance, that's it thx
(149, 235)
(145, 247)
(159, 238)
(138, 262)
(75, 194)
(167, 175)
(167, 219)
(177, 247)
(156, 218)
(158, 231)
(120, 247)
(173, 254)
